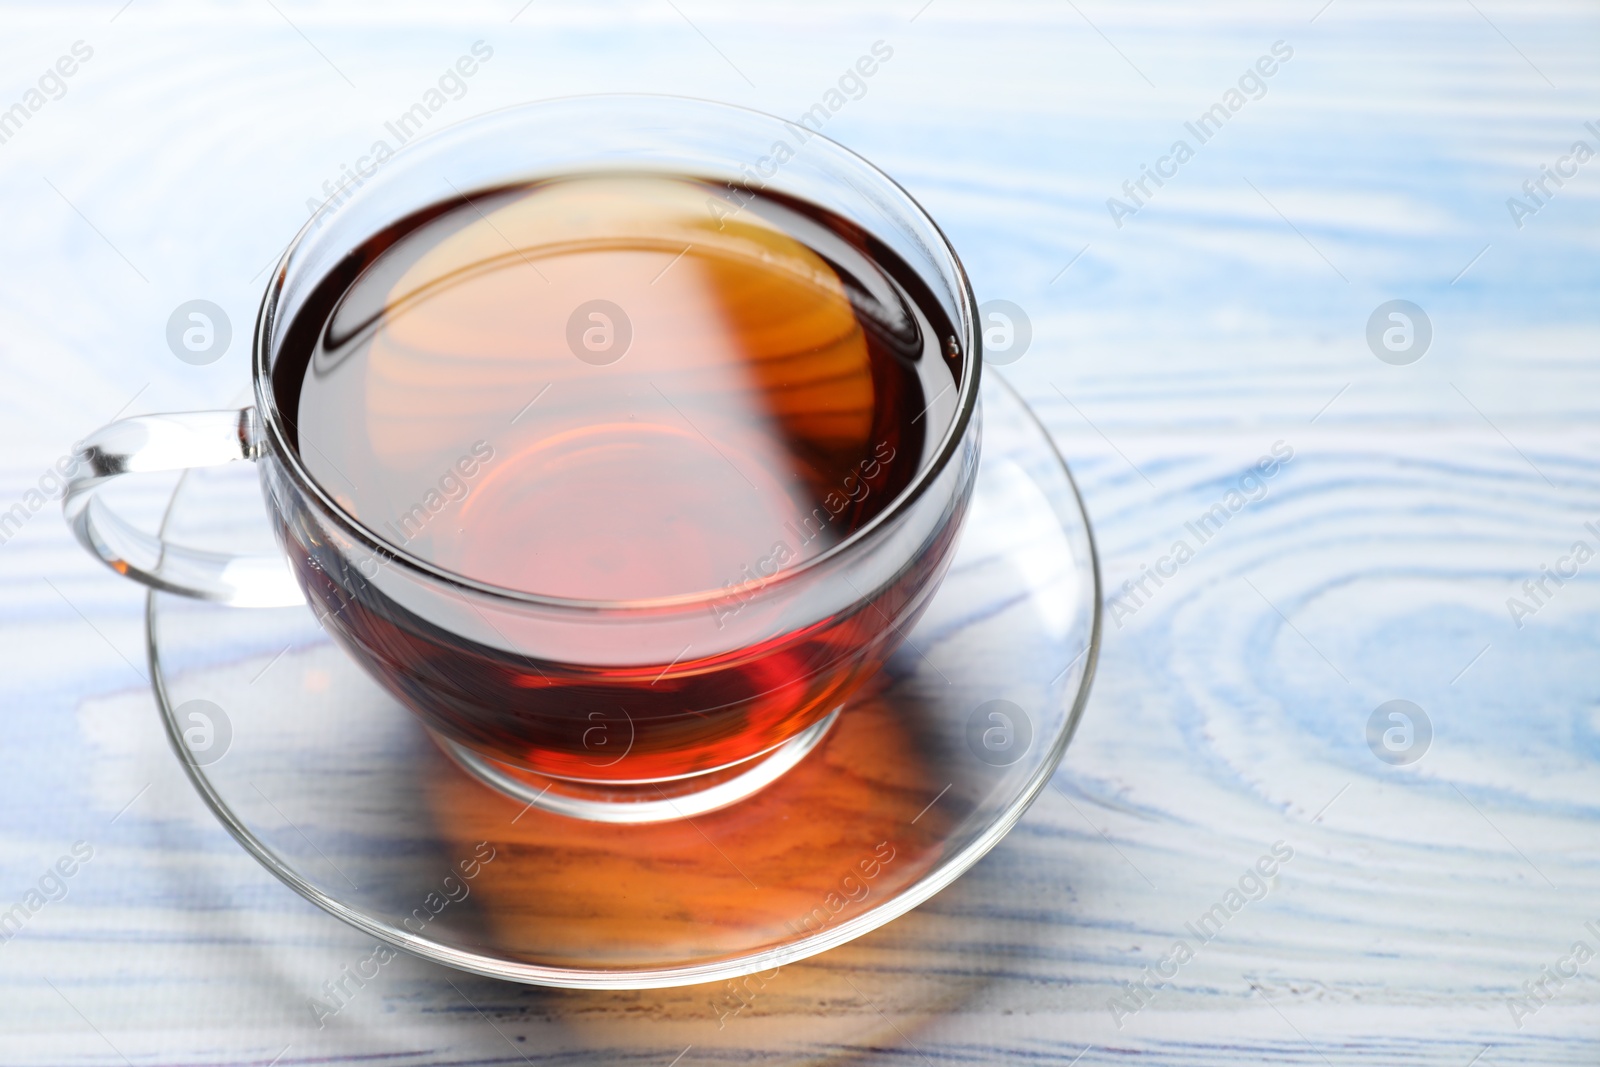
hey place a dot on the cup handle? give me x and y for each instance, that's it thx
(148, 443)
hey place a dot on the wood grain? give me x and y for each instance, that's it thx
(1168, 355)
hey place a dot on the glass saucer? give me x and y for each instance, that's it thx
(340, 792)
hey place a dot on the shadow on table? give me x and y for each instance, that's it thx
(867, 1000)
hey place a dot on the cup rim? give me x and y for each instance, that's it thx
(269, 418)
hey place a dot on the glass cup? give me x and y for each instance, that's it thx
(615, 710)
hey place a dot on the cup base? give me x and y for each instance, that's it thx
(639, 802)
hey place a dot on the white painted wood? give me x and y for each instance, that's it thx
(1167, 357)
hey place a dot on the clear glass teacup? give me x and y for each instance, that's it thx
(690, 689)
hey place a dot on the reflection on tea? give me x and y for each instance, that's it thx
(596, 388)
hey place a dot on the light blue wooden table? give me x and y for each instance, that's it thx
(1425, 904)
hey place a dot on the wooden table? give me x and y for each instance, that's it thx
(1176, 340)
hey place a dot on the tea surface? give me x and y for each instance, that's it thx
(599, 388)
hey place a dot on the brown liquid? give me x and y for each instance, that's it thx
(595, 388)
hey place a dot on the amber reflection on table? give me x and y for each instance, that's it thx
(827, 842)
